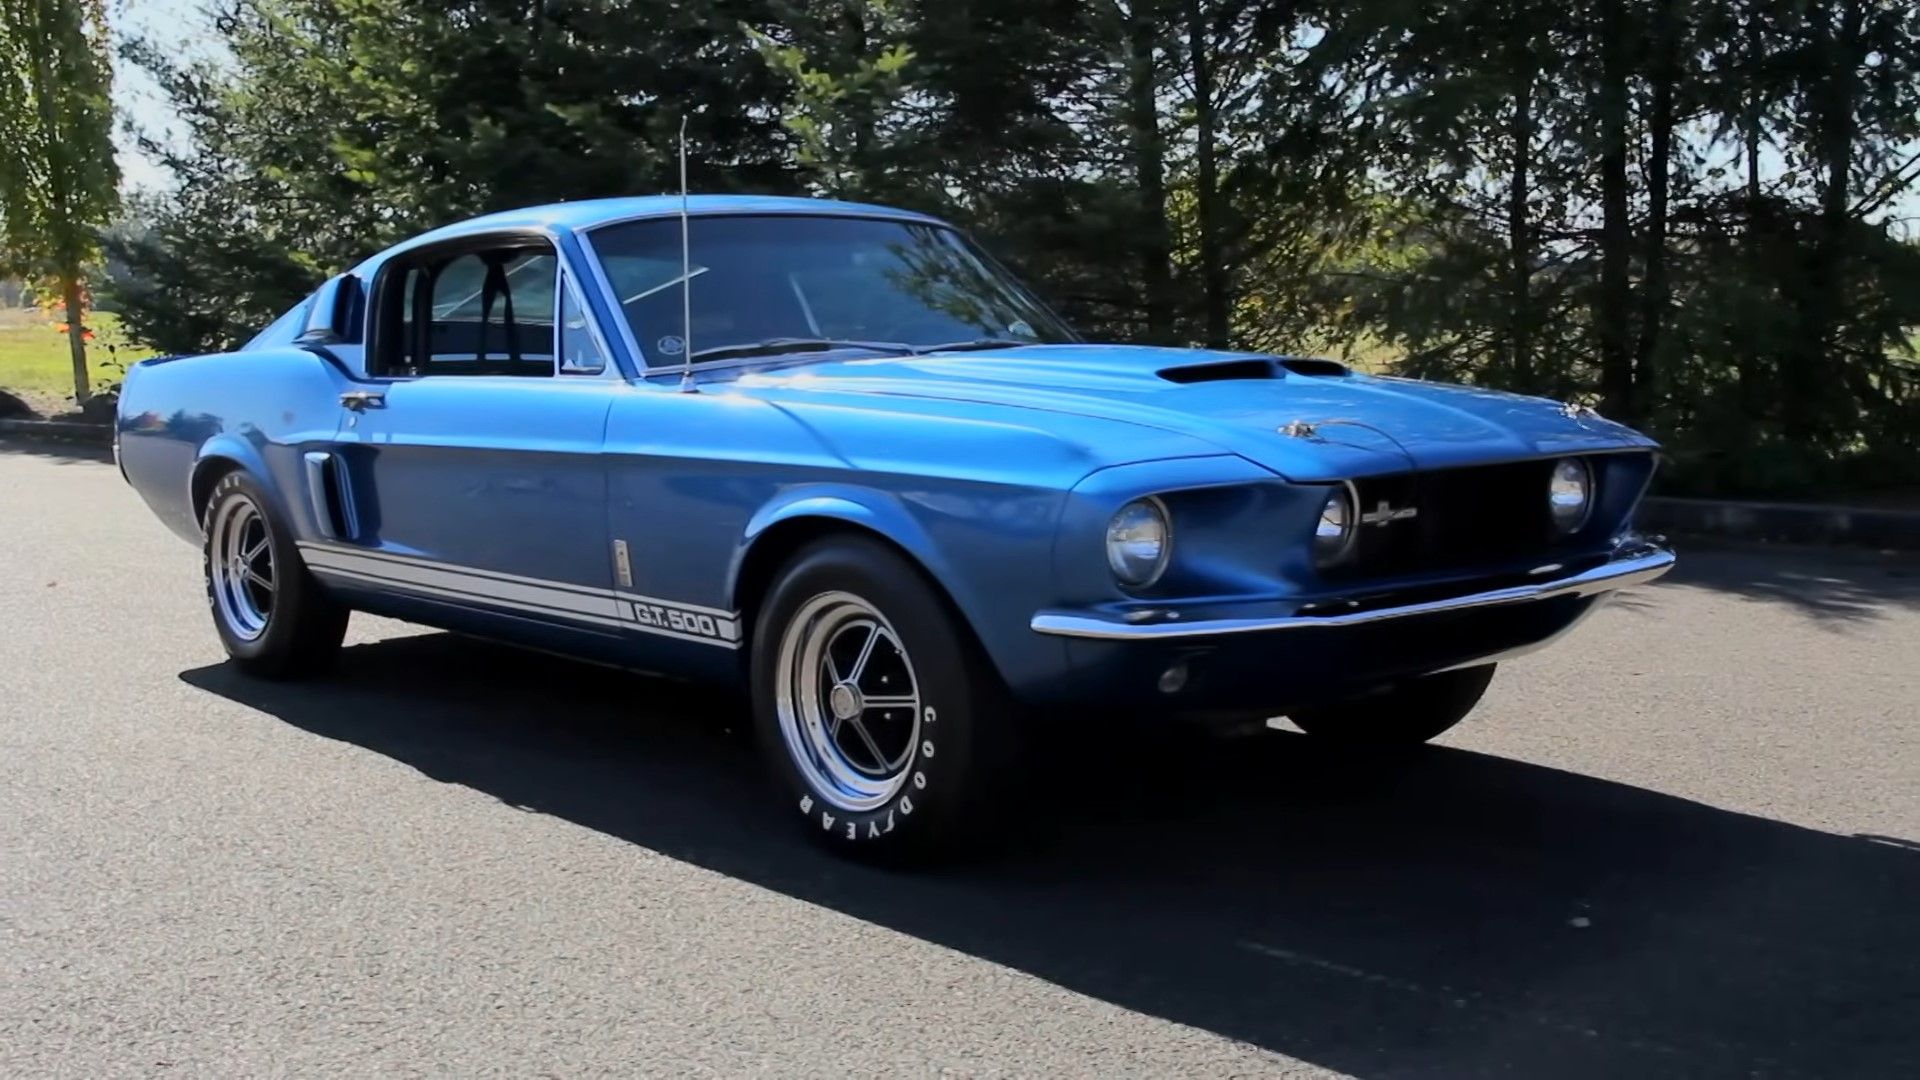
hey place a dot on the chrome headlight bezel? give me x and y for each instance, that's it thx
(1337, 526)
(1132, 567)
(1570, 480)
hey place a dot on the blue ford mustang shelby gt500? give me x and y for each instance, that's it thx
(840, 456)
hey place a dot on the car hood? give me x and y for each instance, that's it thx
(1239, 402)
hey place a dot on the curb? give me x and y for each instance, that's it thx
(65, 430)
(1793, 523)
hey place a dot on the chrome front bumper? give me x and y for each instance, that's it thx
(1636, 563)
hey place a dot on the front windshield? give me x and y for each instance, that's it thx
(773, 278)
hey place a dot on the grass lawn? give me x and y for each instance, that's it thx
(35, 364)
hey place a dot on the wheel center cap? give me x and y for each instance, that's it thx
(844, 700)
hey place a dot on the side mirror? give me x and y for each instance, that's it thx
(334, 318)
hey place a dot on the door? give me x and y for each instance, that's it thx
(472, 458)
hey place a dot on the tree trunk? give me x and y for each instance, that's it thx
(1808, 365)
(1752, 117)
(1149, 166)
(1519, 233)
(1612, 302)
(66, 260)
(1216, 304)
(77, 339)
(1746, 344)
(1653, 298)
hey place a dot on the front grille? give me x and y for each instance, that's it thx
(1469, 517)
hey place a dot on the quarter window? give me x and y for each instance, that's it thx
(580, 349)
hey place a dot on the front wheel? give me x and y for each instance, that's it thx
(889, 734)
(273, 618)
(1405, 714)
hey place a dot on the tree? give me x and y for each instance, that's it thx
(58, 181)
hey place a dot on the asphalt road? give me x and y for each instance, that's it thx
(1685, 842)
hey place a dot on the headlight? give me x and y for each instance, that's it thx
(1139, 542)
(1570, 494)
(1333, 533)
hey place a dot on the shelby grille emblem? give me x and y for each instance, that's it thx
(1385, 513)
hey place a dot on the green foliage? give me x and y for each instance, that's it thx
(846, 77)
(57, 178)
(58, 181)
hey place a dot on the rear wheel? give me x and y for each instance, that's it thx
(272, 617)
(1405, 714)
(889, 734)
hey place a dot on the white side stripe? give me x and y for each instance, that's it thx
(552, 599)
(414, 560)
(408, 587)
(309, 550)
(435, 577)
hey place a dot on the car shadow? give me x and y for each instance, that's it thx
(1441, 913)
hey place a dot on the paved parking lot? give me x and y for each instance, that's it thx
(1685, 842)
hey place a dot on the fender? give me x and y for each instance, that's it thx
(228, 448)
(992, 603)
(875, 511)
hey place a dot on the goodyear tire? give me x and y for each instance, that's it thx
(889, 735)
(273, 618)
(1405, 714)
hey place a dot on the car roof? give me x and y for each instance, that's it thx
(590, 213)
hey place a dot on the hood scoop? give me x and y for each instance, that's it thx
(1251, 367)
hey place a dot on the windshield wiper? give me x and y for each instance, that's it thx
(780, 345)
(974, 345)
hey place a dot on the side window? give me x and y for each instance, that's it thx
(580, 349)
(473, 312)
(491, 313)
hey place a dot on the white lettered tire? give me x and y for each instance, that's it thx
(274, 620)
(888, 733)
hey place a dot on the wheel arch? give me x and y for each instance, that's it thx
(775, 534)
(218, 458)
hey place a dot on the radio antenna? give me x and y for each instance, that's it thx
(686, 276)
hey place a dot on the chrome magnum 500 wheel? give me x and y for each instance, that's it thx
(240, 568)
(888, 733)
(273, 618)
(848, 701)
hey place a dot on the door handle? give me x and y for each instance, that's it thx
(362, 400)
